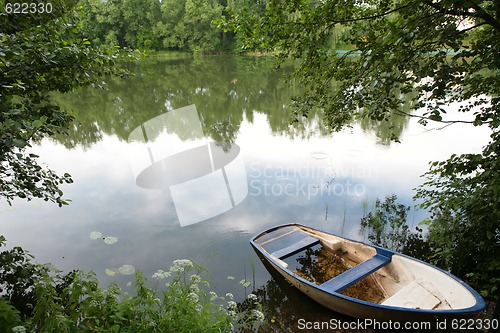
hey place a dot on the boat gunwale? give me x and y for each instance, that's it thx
(477, 307)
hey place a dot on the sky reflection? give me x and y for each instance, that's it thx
(319, 180)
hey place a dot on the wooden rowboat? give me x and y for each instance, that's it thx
(364, 281)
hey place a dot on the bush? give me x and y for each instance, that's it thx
(74, 302)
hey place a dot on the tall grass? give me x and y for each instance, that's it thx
(178, 301)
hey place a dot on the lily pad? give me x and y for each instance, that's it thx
(95, 235)
(110, 240)
(111, 272)
(127, 269)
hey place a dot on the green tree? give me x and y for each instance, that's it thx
(236, 42)
(113, 22)
(187, 25)
(408, 57)
(139, 23)
(439, 52)
(463, 195)
(104, 22)
(39, 53)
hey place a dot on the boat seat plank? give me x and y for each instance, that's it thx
(415, 296)
(355, 274)
(296, 247)
(269, 240)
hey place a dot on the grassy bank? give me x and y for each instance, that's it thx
(40, 298)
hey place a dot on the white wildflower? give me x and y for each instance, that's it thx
(95, 303)
(231, 305)
(230, 296)
(181, 265)
(231, 313)
(184, 263)
(193, 298)
(213, 296)
(158, 275)
(19, 329)
(252, 297)
(259, 316)
(177, 269)
(195, 278)
(194, 288)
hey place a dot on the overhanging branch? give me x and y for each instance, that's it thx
(478, 12)
(449, 122)
(371, 17)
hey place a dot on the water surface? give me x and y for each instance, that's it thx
(282, 174)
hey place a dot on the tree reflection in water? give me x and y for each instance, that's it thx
(285, 308)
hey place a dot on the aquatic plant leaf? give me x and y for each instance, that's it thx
(245, 283)
(111, 272)
(110, 240)
(126, 270)
(95, 235)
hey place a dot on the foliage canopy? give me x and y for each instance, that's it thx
(184, 25)
(417, 58)
(40, 53)
(436, 52)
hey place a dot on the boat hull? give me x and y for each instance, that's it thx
(363, 309)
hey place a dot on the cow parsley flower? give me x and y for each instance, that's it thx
(213, 296)
(158, 275)
(231, 308)
(193, 298)
(259, 316)
(195, 278)
(19, 329)
(194, 288)
(180, 265)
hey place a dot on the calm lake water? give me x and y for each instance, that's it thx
(190, 158)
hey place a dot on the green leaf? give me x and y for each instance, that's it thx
(435, 117)
(37, 123)
(19, 143)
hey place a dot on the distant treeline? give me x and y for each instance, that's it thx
(180, 25)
